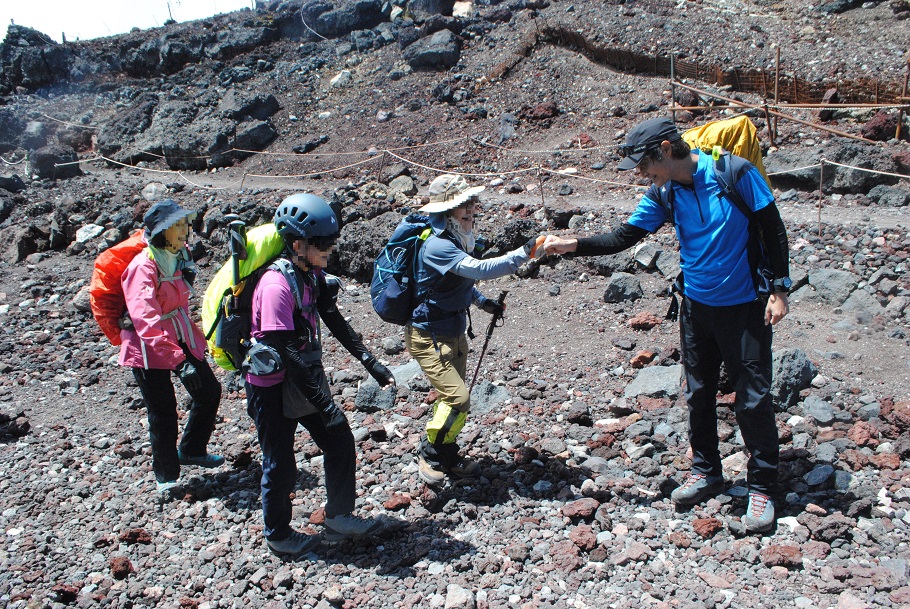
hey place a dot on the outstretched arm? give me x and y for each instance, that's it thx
(622, 238)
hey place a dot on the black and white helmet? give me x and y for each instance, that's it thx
(304, 216)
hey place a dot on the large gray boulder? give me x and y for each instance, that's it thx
(331, 22)
(54, 162)
(657, 382)
(889, 196)
(440, 51)
(623, 287)
(831, 286)
(359, 244)
(792, 371)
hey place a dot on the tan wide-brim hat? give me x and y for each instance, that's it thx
(449, 191)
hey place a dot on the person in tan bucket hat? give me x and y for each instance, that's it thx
(448, 267)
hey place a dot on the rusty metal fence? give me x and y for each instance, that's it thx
(791, 89)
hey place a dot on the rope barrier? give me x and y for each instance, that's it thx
(781, 173)
(308, 27)
(476, 175)
(62, 122)
(563, 150)
(11, 163)
(875, 171)
(379, 155)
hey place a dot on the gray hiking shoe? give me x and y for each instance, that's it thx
(207, 460)
(760, 513)
(696, 488)
(294, 546)
(347, 526)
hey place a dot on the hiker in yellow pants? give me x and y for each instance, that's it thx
(435, 334)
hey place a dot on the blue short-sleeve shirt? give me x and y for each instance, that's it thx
(713, 234)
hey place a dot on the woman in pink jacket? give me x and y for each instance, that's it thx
(163, 339)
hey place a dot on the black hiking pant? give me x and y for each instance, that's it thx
(737, 337)
(157, 389)
(279, 465)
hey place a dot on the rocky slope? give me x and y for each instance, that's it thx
(577, 418)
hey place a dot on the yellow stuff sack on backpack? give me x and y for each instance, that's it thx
(736, 135)
(263, 245)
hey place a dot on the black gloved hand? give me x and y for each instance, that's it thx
(493, 308)
(379, 372)
(189, 376)
(332, 415)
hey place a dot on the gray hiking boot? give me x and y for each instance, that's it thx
(760, 513)
(294, 546)
(347, 526)
(696, 488)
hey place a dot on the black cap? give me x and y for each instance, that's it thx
(644, 138)
(163, 215)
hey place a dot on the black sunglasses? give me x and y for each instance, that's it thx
(323, 243)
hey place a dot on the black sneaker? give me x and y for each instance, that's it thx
(463, 468)
(293, 546)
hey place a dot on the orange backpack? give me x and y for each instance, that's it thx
(105, 291)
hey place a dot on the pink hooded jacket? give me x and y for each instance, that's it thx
(159, 309)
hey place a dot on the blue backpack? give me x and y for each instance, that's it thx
(394, 284)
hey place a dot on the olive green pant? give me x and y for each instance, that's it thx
(445, 368)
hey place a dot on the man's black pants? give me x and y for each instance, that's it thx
(738, 337)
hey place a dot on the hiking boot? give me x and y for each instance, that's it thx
(760, 513)
(696, 488)
(208, 461)
(463, 468)
(432, 475)
(293, 546)
(347, 526)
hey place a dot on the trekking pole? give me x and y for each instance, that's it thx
(486, 341)
(237, 238)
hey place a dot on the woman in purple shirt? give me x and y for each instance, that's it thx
(286, 383)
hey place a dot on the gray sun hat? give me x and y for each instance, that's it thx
(449, 191)
(163, 215)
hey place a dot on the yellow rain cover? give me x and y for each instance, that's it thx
(263, 243)
(736, 135)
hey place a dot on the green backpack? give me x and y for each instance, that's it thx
(226, 306)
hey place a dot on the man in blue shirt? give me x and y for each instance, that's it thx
(723, 317)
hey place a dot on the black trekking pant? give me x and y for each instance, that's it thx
(738, 337)
(157, 391)
(279, 466)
